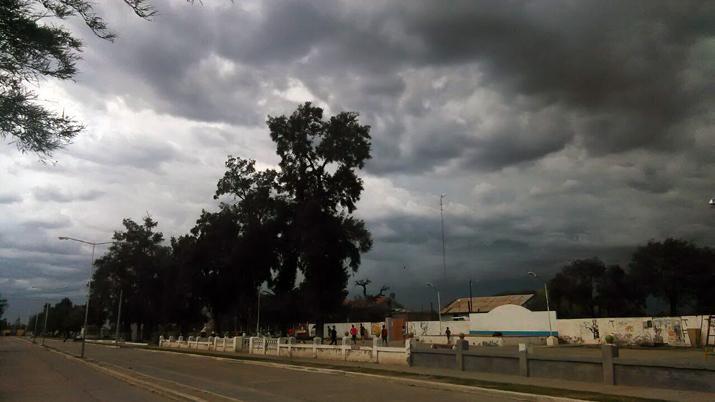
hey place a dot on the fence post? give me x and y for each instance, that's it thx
(278, 347)
(316, 341)
(408, 351)
(224, 344)
(265, 345)
(197, 341)
(459, 348)
(344, 347)
(608, 352)
(291, 340)
(375, 342)
(161, 340)
(250, 345)
(215, 342)
(523, 360)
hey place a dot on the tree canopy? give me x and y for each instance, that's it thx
(33, 47)
(290, 229)
(3, 306)
(136, 265)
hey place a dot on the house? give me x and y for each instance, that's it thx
(459, 309)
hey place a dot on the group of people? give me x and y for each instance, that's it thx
(333, 334)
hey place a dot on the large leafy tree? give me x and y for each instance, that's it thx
(3, 306)
(667, 270)
(33, 47)
(589, 288)
(318, 177)
(573, 289)
(298, 219)
(703, 281)
(137, 265)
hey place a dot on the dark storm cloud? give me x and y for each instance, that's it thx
(558, 129)
(56, 194)
(617, 72)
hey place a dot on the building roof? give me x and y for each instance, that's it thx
(484, 304)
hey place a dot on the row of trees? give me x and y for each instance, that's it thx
(3, 306)
(64, 318)
(673, 271)
(290, 230)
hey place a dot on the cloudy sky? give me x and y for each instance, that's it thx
(557, 130)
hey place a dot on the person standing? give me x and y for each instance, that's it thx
(334, 336)
(363, 332)
(449, 336)
(353, 333)
(383, 333)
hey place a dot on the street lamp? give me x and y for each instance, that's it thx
(444, 253)
(712, 202)
(439, 305)
(44, 327)
(546, 293)
(89, 285)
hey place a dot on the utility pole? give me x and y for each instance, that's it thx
(34, 331)
(89, 285)
(119, 315)
(444, 253)
(258, 313)
(470, 296)
(546, 294)
(44, 328)
(439, 305)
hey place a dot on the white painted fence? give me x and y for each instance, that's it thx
(287, 347)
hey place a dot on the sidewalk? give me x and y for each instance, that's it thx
(545, 386)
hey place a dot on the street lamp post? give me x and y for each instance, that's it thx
(89, 286)
(546, 293)
(258, 312)
(444, 252)
(119, 315)
(439, 306)
(34, 331)
(44, 327)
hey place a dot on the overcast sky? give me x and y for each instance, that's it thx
(557, 130)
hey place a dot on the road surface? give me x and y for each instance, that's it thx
(22, 365)
(31, 373)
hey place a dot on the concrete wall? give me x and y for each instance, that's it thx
(436, 328)
(686, 378)
(491, 364)
(573, 370)
(608, 369)
(515, 323)
(633, 330)
(512, 320)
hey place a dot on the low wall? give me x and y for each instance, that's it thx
(635, 330)
(583, 369)
(662, 376)
(608, 369)
(286, 347)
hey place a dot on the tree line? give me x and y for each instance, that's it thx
(675, 273)
(290, 230)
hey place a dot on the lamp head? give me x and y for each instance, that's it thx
(532, 274)
(62, 238)
(429, 285)
(712, 202)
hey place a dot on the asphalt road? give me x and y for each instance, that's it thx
(200, 377)
(31, 373)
